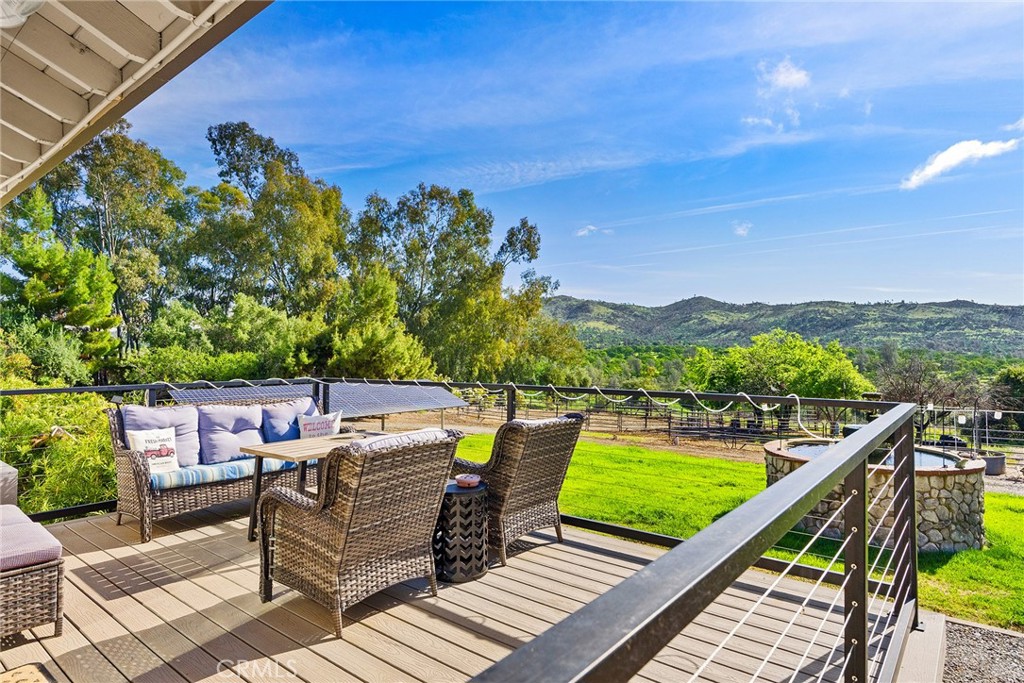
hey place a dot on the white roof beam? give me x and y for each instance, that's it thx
(18, 147)
(8, 167)
(190, 9)
(35, 87)
(182, 12)
(115, 26)
(65, 55)
(28, 120)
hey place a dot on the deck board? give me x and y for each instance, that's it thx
(184, 607)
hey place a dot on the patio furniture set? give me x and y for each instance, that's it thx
(385, 509)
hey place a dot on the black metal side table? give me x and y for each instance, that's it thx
(460, 537)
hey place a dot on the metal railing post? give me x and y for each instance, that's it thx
(855, 559)
(510, 403)
(325, 397)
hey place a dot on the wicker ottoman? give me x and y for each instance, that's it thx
(460, 538)
(31, 574)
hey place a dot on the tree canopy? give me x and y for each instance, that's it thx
(270, 260)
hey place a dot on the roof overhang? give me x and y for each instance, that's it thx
(76, 66)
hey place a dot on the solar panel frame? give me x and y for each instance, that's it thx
(284, 392)
(362, 400)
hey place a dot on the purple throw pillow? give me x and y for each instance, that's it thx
(184, 419)
(224, 429)
(281, 420)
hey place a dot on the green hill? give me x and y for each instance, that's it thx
(959, 326)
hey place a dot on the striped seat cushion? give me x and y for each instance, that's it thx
(209, 474)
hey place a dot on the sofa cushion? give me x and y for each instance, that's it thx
(12, 514)
(24, 545)
(281, 420)
(427, 435)
(209, 474)
(223, 429)
(157, 445)
(184, 419)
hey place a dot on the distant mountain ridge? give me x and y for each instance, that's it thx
(961, 326)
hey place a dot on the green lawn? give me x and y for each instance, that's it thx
(660, 491)
(982, 585)
(678, 495)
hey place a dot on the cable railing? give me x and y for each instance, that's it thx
(860, 589)
(615, 636)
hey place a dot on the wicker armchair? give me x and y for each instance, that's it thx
(524, 476)
(137, 498)
(369, 528)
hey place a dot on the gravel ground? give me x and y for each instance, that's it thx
(1011, 482)
(982, 655)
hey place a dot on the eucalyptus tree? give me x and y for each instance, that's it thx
(268, 230)
(437, 245)
(121, 198)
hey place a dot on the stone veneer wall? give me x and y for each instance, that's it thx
(950, 503)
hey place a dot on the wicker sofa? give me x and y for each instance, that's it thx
(149, 497)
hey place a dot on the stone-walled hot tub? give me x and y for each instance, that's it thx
(950, 494)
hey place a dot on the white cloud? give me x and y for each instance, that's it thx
(777, 85)
(783, 76)
(741, 228)
(961, 153)
(869, 106)
(588, 230)
(1016, 126)
(762, 121)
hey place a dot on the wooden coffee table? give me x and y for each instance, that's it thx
(299, 451)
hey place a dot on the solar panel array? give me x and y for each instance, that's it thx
(284, 392)
(361, 400)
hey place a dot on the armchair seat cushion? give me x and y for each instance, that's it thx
(25, 545)
(420, 436)
(210, 474)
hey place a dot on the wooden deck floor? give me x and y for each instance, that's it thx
(184, 607)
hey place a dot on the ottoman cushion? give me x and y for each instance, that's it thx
(24, 545)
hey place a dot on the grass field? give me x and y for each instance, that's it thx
(678, 495)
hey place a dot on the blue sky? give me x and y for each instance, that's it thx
(775, 152)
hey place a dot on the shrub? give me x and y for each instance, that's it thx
(175, 364)
(60, 445)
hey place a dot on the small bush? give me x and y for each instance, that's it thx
(60, 445)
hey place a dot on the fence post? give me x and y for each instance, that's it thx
(510, 403)
(855, 560)
(325, 398)
(904, 483)
(150, 396)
